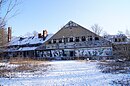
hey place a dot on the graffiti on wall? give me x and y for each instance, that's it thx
(46, 54)
(82, 52)
(43, 54)
(57, 53)
(94, 52)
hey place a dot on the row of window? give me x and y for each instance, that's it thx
(120, 39)
(76, 39)
(121, 48)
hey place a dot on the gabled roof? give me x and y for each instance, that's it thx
(71, 24)
(72, 29)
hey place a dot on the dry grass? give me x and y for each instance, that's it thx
(103, 61)
(121, 82)
(116, 68)
(23, 65)
(25, 61)
(81, 60)
(93, 60)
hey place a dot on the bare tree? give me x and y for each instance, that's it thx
(104, 33)
(28, 34)
(119, 32)
(7, 11)
(96, 29)
(35, 33)
(127, 33)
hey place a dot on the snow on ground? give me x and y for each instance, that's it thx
(67, 73)
(8, 66)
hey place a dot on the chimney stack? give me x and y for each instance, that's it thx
(39, 35)
(44, 34)
(3, 37)
(9, 33)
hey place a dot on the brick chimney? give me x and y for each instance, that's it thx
(9, 34)
(39, 35)
(3, 37)
(44, 34)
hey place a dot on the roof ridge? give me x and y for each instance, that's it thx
(70, 24)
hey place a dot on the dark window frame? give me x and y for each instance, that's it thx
(83, 38)
(60, 40)
(123, 39)
(115, 40)
(119, 40)
(90, 38)
(49, 42)
(77, 39)
(54, 41)
(71, 39)
(65, 40)
(96, 38)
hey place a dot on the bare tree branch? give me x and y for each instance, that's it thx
(96, 29)
(7, 11)
(10, 6)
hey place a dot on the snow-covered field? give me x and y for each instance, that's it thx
(66, 73)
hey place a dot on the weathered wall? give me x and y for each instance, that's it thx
(80, 52)
(103, 51)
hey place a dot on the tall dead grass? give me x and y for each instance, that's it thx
(19, 60)
(116, 68)
(23, 65)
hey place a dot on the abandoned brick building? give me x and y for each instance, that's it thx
(72, 41)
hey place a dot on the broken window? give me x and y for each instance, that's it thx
(71, 40)
(65, 40)
(83, 38)
(96, 38)
(49, 42)
(60, 40)
(115, 39)
(90, 38)
(123, 39)
(77, 39)
(119, 40)
(54, 40)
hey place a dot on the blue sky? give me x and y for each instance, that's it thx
(36, 15)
